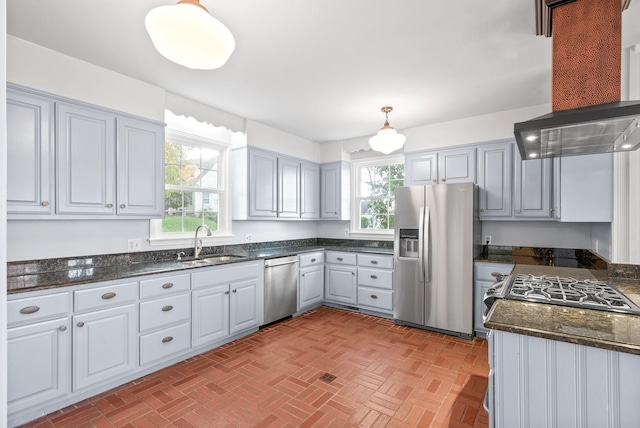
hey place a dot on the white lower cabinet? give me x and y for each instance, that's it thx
(538, 382)
(375, 283)
(341, 285)
(311, 280)
(225, 301)
(483, 278)
(104, 345)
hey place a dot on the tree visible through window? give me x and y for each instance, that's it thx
(376, 182)
(192, 190)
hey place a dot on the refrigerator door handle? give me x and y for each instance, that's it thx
(425, 244)
(420, 241)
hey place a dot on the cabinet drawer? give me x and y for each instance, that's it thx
(164, 286)
(377, 261)
(312, 259)
(375, 298)
(110, 295)
(341, 258)
(161, 344)
(484, 270)
(378, 278)
(166, 311)
(38, 308)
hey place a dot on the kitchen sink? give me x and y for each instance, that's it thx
(212, 260)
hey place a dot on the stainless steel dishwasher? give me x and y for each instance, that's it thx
(280, 288)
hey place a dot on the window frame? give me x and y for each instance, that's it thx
(356, 166)
(156, 236)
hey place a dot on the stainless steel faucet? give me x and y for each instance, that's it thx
(198, 244)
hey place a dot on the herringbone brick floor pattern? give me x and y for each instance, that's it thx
(327, 368)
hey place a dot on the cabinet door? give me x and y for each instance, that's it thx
(263, 169)
(421, 169)
(288, 188)
(311, 286)
(494, 179)
(210, 315)
(85, 156)
(457, 166)
(480, 288)
(39, 363)
(140, 168)
(532, 193)
(310, 196)
(104, 345)
(29, 154)
(341, 284)
(243, 313)
(330, 191)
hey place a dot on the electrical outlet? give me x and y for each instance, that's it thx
(134, 245)
(248, 237)
(346, 232)
(487, 240)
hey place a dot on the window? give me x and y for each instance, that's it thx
(195, 192)
(375, 182)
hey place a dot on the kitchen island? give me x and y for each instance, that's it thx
(560, 366)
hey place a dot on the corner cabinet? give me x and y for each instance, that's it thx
(335, 191)
(310, 191)
(340, 278)
(494, 179)
(30, 154)
(444, 166)
(107, 164)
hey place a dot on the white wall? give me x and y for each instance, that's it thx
(3, 216)
(601, 241)
(265, 137)
(549, 234)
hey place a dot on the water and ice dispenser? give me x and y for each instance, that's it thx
(409, 243)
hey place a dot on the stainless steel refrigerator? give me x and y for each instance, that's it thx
(437, 236)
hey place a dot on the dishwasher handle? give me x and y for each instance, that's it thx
(280, 261)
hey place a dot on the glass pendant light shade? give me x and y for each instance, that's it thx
(387, 140)
(188, 35)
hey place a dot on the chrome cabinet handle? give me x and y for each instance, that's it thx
(373, 296)
(374, 276)
(434, 180)
(235, 291)
(167, 308)
(109, 205)
(29, 310)
(123, 206)
(374, 262)
(167, 339)
(45, 203)
(62, 328)
(80, 324)
(168, 284)
(481, 210)
(339, 259)
(443, 179)
(107, 296)
(518, 211)
(226, 292)
(313, 260)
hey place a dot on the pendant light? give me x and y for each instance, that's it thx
(187, 34)
(387, 140)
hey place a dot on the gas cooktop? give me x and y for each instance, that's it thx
(586, 294)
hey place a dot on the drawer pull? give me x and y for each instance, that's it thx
(62, 328)
(167, 285)
(235, 291)
(313, 260)
(167, 339)
(373, 296)
(226, 292)
(107, 296)
(167, 308)
(374, 276)
(374, 262)
(339, 259)
(80, 324)
(29, 310)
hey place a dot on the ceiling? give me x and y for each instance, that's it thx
(322, 70)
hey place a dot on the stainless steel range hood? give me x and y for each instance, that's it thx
(602, 128)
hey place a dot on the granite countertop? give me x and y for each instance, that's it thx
(84, 272)
(600, 329)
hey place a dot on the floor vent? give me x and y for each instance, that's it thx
(327, 377)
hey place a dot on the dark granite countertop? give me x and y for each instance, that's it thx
(84, 273)
(600, 329)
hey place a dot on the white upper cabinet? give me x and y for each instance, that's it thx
(494, 179)
(263, 179)
(29, 154)
(140, 168)
(288, 188)
(310, 194)
(532, 187)
(86, 164)
(335, 191)
(444, 166)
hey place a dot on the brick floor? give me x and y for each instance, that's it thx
(385, 376)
